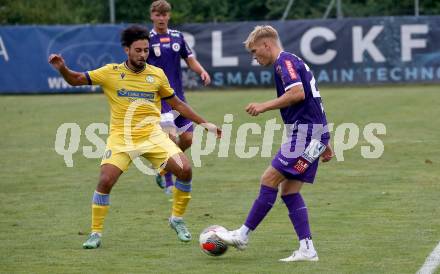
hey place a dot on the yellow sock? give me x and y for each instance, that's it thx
(180, 202)
(98, 214)
(100, 206)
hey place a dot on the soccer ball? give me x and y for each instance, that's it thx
(209, 242)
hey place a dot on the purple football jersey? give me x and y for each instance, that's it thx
(307, 133)
(290, 71)
(166, 50)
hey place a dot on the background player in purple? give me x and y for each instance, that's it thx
(167, 47)
(297, 160)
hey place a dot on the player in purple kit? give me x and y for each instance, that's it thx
(297, 160)
(167, 47)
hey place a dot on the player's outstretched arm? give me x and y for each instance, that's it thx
(290, 97)
(186, 111)
(195, 66)
(72, 77)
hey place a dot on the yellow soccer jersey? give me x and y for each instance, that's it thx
(134, 97)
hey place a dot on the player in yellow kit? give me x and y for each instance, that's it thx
(134, 91)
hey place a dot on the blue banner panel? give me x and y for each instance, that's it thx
(348, 51)
(24, 52)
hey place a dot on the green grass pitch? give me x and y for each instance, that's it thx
(367, 215)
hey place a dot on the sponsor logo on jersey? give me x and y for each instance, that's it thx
(156, 50)
(122, 75)
(290, 69)
(166, 45)
(147, 95)
(165, 39)
(176, 47)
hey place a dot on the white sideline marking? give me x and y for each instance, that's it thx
(432, 262)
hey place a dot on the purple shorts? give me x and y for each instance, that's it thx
(169, 119)
(183, 124)
(298, 159)
(180, 123)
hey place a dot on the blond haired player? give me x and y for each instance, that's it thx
(296, 162)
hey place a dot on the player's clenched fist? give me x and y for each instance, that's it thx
(255, 108)
(328, 154)
(56, 61)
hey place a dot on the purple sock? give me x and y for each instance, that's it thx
(168, 179)
(298, 215)
(261, 207)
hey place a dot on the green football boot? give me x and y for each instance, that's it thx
(181, 230)
(94, 241)
(159, 181)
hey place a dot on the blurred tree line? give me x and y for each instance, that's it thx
(191, 11)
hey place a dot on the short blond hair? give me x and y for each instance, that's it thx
(261, 32)
(160, 6)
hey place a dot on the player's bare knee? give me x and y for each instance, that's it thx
(267, 177)
(185, 173)
(185, 142)
(271, 178)
(106, 181)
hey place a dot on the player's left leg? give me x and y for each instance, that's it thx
(290, 193)
(179, 165)
(166, 156)
(262, 205)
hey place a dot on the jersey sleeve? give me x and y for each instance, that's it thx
(185, 50)
(288, 74)
(165, 90)
(97, 76)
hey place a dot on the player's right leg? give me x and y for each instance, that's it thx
(112, 166)
(268, 193)
(101, 203)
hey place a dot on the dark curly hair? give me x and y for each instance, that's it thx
(134, 33)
